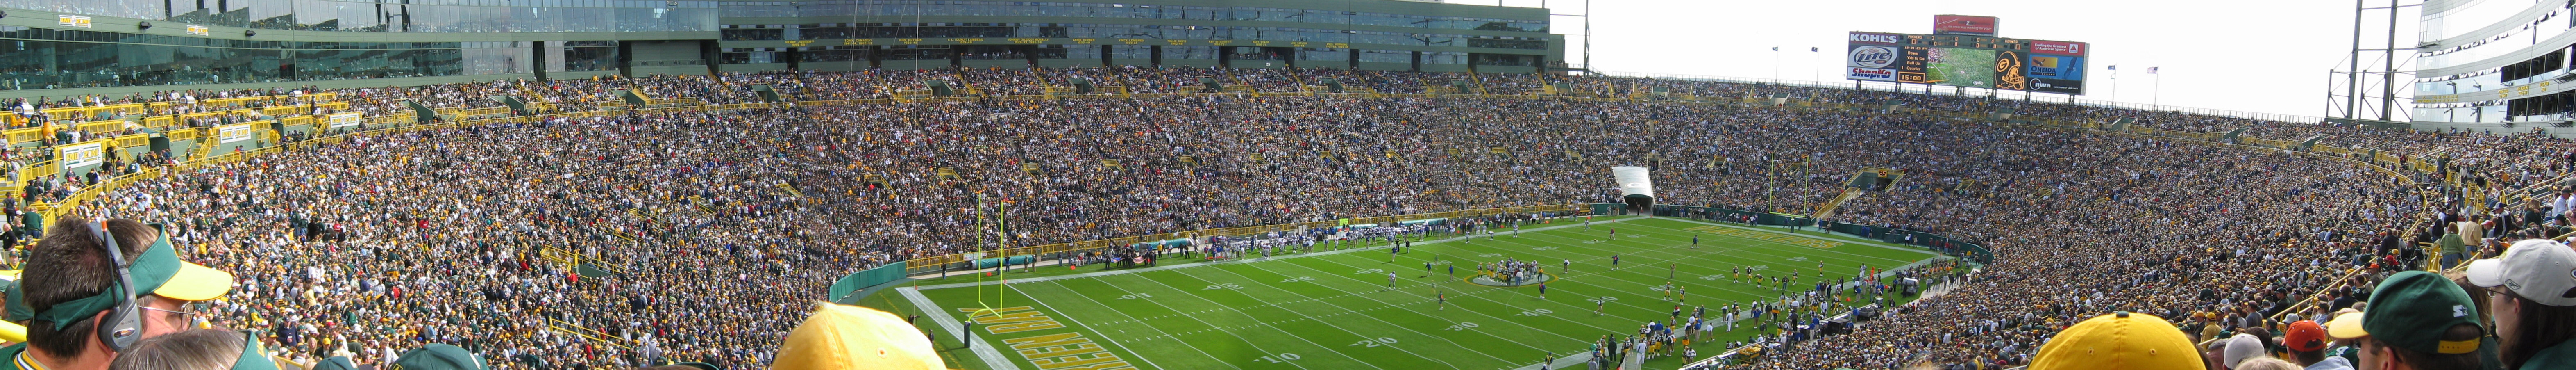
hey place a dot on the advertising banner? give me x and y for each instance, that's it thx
(2058, 47)
(2056, 73)
(1952, 24)
(2056, 66)
(233, 133)
(1873, 62)
(82, 155)
(345, 119)
(1873, 56)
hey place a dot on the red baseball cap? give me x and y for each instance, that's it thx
(2305, 336)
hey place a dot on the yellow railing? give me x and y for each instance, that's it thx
(587, 333)
(135, 140)
(90, 111)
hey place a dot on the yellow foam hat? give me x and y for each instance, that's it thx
(2118, 341)
(840, 337)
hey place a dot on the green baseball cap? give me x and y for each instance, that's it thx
(157, 271)
(15, 308)
(254, 356)
(2411, 310)
(335, 363)
(439, 357)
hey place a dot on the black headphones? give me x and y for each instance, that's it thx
(122, 326)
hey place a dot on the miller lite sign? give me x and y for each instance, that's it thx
(1872, 62)
(1873, 56)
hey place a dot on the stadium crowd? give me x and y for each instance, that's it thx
(389, 242)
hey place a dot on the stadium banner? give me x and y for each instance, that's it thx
(2056, 73)
(2056, 66)
(347, 119)
(2503, 93)
(1953, 24)
(1165, 243)
(1873, 56)
(2058, 47)
(239, 132)
(82, 155)
(986, 263)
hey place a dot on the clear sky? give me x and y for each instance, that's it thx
(2268, 56)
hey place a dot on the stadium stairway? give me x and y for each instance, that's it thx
(202, 150)
(1476, 81)
(1827, 210)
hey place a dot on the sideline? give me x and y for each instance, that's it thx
(992, 358)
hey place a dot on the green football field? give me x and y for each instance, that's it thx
(1334, 309)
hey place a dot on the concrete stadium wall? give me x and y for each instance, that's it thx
(1384, 66)
(1013, 63)
(753, 67)
(2497, 128)
(666, 51)
(1199, 63)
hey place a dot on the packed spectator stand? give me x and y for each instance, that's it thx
(717, 201)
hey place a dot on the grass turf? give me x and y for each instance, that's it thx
(1336, 311)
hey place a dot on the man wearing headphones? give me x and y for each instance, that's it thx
(82, 306)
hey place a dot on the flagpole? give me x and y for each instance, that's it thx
(2156, 96)
(1775, 64)
(2115, 84)
(1815, 64)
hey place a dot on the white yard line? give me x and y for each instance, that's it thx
(1499, 302)
(1069, 290)
(991, 356)
(1330, 323)
(1374, 317)
(1068, 317)
(1684, 257)
(1256, 322)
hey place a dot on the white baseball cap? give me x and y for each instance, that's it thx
(2240, 348)
(2540, 270)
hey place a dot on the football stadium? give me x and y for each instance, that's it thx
(1226, 184)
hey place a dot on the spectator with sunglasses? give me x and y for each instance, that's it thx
(71, 288)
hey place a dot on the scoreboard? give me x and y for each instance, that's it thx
(1968, 60)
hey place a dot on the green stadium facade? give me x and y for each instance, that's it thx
(66, 47)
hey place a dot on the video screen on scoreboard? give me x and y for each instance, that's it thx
(1959, 67)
